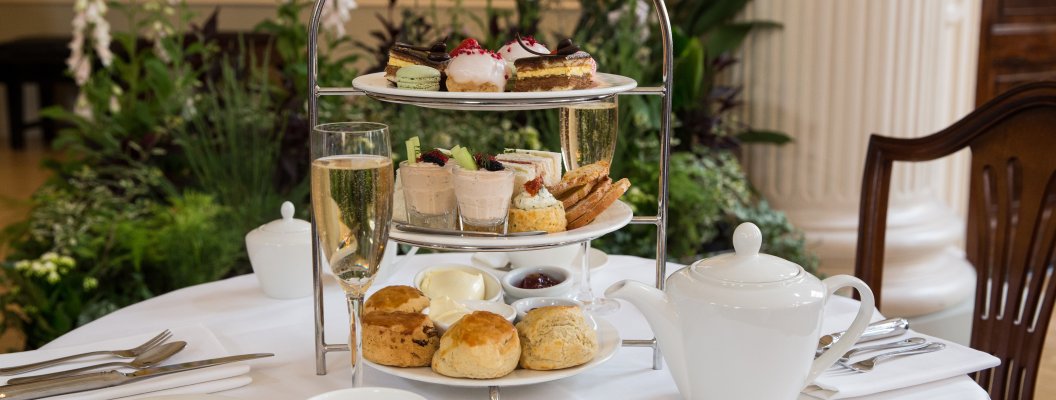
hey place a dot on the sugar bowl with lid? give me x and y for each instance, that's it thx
(281, 254)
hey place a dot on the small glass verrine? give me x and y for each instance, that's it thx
(429, 192)
(483, 198)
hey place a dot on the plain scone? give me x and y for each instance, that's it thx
(481, 345)
(399, 339)
(556, 337)
(396, 298)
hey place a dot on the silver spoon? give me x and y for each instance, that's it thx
(868, 365)
(913, 341)
(149, 358)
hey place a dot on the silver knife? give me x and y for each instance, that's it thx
(101, 380)
(876, 330)
(453, 232)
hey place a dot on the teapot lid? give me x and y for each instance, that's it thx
(288, 224)
(746, 264)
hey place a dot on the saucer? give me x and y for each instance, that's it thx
(598, 260)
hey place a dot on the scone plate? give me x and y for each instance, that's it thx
(608, 342)
(376, 86)
(615, 217)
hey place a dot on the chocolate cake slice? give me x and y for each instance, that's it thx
(402, 55)
(568, 68)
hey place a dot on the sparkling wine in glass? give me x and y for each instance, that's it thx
(352, 185)
(588, 135)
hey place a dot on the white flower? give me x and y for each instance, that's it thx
(88, 13)
(336, 15)
(82, 108)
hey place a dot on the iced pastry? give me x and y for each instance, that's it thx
(568, 68)
(429, 190)
(403, 55)
(418, 77)
(513, 51)
(475, 69)
(536, 209)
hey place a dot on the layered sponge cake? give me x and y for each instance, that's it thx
(555, 72)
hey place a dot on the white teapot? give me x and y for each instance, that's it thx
(743, 325)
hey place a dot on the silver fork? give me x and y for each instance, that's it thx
(868, 365)
(913, 341)
(127, 353)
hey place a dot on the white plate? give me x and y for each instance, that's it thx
(615, 217)
(368, 393)
(608, 343)
(377, 86)
(598, 260)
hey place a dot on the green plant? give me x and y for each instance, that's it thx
(70, 265)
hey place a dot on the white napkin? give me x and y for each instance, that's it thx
(900, 372)
(201, 344)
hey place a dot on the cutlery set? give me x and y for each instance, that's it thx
(145, 360)
(879, 330)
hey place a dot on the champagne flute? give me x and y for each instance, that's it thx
(588, 135)
(352, 179)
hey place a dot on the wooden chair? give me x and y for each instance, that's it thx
(1011, 236)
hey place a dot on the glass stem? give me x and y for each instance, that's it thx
(355, 309)
(585, 294)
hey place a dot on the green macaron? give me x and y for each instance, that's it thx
(418, 77)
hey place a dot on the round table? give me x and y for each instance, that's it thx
(246, 321)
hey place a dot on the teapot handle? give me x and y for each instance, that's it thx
(861, 321)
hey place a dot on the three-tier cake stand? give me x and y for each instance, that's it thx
(510, 101)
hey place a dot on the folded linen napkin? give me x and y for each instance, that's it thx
(201, 344)
(900, 372)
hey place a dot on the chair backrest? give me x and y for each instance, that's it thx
(1011, 235)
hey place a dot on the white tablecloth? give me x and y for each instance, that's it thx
(246, 321)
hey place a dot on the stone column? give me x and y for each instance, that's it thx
(836, 72)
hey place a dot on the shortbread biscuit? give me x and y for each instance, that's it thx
(588, 203)
(573, 196)
(614, 193)
(580, 176)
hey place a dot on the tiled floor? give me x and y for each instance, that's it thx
(21, 174)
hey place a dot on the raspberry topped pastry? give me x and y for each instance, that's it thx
(475, 69)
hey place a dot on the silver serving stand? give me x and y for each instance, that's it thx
(659, 220)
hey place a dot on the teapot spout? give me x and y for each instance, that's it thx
(663, 318)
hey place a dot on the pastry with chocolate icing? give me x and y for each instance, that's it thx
(402, 55)
(567, 69)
